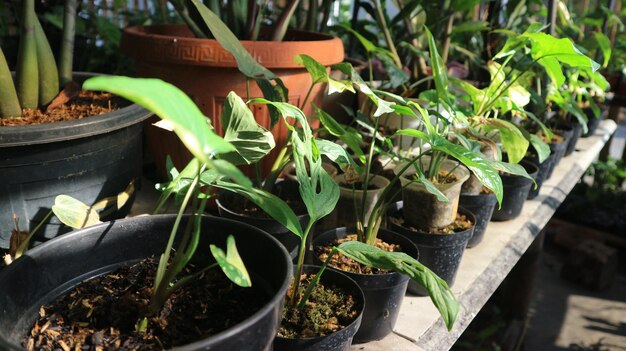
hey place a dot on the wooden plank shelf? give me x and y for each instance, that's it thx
(485, 266)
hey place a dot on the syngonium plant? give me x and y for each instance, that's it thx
(509, 89)
(37, 78)
(211, 168)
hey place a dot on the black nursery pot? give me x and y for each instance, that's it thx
(338, 341)
(558, 150)
(516, 189)
(89, 159)
(383, 292)
(441, 253)
(482, 206)
(542, 172)
(577, 131)
(592, 122)
(289, 240)
(54, 267)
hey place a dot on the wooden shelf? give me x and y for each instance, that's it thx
(485, 266)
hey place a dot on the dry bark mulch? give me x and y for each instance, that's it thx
(101, 314)
(328, 310)
(346, 264)
(461, 223)
(87, 103)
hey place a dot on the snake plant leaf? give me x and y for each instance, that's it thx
(74, 213)
(439, 292)
(513, 141)
(245, 62)
(27, 70)
(251, 141)
(481, 167)
(9, 103)
(274, 206)
(231, 264)
(48, 73)
(170, 104)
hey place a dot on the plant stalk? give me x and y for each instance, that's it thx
(27, 71)
(66, 57)
(9, 103)
(48, 74)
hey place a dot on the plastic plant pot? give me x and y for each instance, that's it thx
(482, 206)
(516, 189)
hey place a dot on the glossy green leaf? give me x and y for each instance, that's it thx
(605, 47)
(481, 167)
(440, 71)
(319, 74)
(251, 141)
(231, 264)
(231, 172)
(382, 106)
(432, 188)
(336, 153)
(439, 292)
(245, 62)
(271, 204)
(350, 138)
(553, 69)
(513, 141)
(544, 45)
(543, 150)
(74, 213)
(511, 168)
(172, 105)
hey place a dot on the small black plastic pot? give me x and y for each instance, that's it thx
(577, 131)
(383, 292)
(89, 159)
(56, 266)
(516, 189)
(558, 150)
(338, 341)
(542, 171)
(289, 240)
(482, 206)
(441, 253)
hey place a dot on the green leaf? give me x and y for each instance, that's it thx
(74, 213)
(350, 137)
(432, 188)
(275, 207)
(512, 138)
(481, 167)
(553, 69)
(231, 263)
(511, 168)
(245, 62)
(440, 71)
(230, 171)
(319, 74)
(470, 26)
(172, 105)
(251, 141)
(543, 150)
(605, 46)
(336, 153)
(544, 45)
(439, 292)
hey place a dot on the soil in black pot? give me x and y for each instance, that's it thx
(85, 104)
(461, 223)
(346, 264)
(328, 310)
(103, 313)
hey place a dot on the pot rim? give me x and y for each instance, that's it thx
(176, 49)
(45, 133)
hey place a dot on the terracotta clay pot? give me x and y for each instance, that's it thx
(207, 73)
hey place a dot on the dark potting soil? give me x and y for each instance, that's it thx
(346, 264)
(443, 177)
(461, 223)
(85, 104)
(328, 309)
(100, 314)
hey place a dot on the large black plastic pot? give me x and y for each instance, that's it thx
(289, 240)
(441, 253)
(51, 269)
(340, 340)
(89, 159)
(542, 172)
(383, 292)
(516, 189)
(482, 206)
